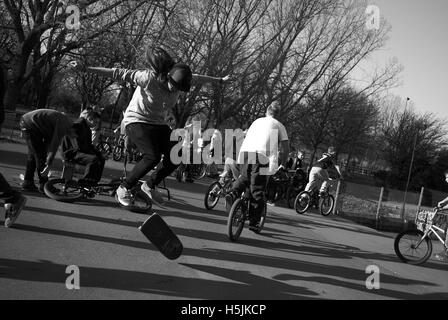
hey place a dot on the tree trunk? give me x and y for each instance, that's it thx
(12, 95)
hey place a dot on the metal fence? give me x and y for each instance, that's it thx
(382, 207)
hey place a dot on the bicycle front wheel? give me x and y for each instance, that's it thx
(212, 196)
(60, 190)
(326, 204)
(411, 248)
(302, 202)
(235, 222)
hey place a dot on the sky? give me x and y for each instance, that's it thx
(419, 40)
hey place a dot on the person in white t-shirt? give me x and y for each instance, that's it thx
(259, 158)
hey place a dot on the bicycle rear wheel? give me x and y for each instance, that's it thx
(302, 202)
(60, 190)
(326, 204)
(411, 248)
(212, 196)
(236, 220)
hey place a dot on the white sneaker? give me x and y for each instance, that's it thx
(124, 196)
(13, 210)
(153, 194)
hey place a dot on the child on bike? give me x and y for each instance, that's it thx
(158, 88)
(43, 130)
(258, 156)
(319, 172)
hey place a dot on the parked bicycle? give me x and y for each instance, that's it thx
(215, 191)
(68, 189)
(414, 246)
(104, 145)
(239, 214)
(119, 151)
(190, 172)
(285, 185)
(323, 201)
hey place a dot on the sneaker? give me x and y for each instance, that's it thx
(254, 225)
(29, 186)
(124, 196)
(13, 210)
(153, 194)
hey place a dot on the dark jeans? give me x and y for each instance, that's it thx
(152, 141)
(7, 194)
(94, 165)
(250, 177)
(37, 155)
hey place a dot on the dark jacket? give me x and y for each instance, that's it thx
(50, 124)
(83, 141)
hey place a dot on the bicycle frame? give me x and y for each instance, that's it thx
(432, 229)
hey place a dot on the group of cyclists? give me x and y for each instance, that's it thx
(264, 150)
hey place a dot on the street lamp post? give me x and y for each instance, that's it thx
(409, 174)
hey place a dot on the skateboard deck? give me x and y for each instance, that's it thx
(161, 235)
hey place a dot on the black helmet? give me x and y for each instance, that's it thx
(180, 76)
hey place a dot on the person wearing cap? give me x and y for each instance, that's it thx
(158, 88)
(319, 174)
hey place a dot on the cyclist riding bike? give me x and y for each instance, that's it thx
(319, 172)
(259, 158)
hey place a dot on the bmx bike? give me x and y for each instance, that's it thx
(324, 201)
(414, 246)
(215, 191)
(68, 189)
(285, 185)
(239, 214)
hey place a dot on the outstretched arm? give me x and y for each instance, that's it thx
(200, 79)
(105, 72)
(136, 77)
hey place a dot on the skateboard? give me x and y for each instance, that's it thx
(161, 235)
